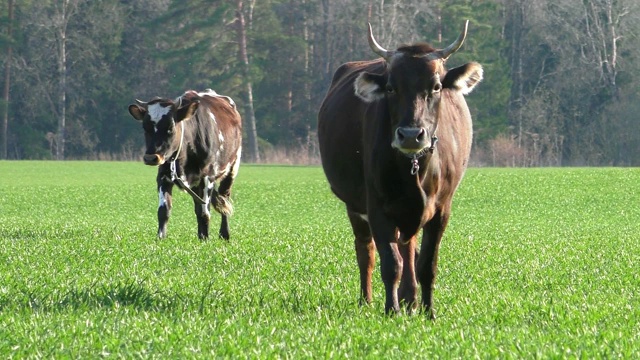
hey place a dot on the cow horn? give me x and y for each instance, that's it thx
(376, 47)
(446, 52)
(141, 103)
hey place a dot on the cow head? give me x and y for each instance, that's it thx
(159, 118)
(412, 84)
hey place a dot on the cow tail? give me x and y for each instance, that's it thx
(221, 203)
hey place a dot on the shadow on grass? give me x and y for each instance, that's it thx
(132, 294)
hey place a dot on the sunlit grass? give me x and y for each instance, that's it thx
(535, 263)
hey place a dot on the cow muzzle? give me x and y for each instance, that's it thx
(411, 140)
(153, 159)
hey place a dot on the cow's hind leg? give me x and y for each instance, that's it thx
(428, 260)
(203, 214)
(165, 187)
(365, 253)
(407, 292)
(221, 202)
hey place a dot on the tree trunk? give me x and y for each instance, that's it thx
(249, 114)
(7, 86)
(62, 100)
(66, 11)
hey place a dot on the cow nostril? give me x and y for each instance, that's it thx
(399, 134)
(421, 134)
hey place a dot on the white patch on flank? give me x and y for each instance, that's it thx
(236, 164)
(207, 186)
(220, 137)
(162, 200)
(157, 111)
(225, 170)
(212, 117)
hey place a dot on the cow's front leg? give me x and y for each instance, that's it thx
(203, 215)
(407, 292)
(428, 260)
(384, 235)
(165, 187)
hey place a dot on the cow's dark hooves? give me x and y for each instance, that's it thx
(224, 236)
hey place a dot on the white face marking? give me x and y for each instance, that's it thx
(162, 200)
(157, 111)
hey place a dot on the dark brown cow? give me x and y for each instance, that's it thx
(395, 136)
(196, 142)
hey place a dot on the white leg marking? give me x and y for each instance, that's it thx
(162, 200)
(205, 207)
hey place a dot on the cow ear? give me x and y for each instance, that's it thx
(463, 78)
(137, 111)
(186, 112)
(370, 87)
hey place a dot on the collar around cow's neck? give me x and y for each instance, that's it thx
(415, 166)
(175, 156)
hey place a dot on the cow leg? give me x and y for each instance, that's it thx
(365, 253)
(202, 210)
(221, 200)
(428, 260)
(384, 235)
(165, 187)
(407, 292)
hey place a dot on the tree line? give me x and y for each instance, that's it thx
(560, 83)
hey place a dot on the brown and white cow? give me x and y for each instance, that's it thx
(196, 142)
(395, 136)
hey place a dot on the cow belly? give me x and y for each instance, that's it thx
(346, 178)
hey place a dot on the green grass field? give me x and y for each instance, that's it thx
(536, 263)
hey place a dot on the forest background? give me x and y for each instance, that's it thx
(561, 76)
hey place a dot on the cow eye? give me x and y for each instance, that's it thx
(389, 89)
